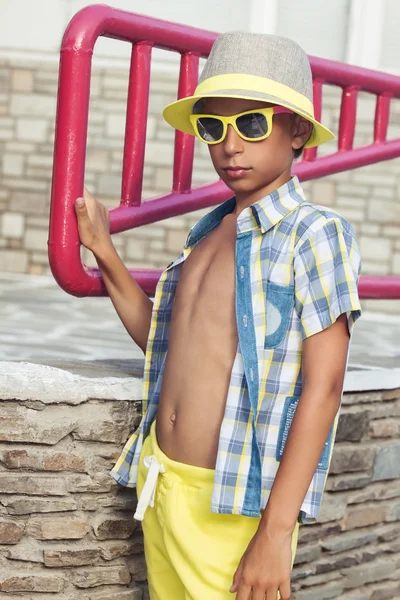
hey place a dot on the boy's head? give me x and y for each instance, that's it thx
(268, 78)
(257, 147)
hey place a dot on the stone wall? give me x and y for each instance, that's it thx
(66, 529)
(368, 197)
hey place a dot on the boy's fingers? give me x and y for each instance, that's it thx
(285, 590)
(86, 194)
(244, 592)
(236, 579)
(259, 594)
(273, 594)
(80, 208)
(80, 203)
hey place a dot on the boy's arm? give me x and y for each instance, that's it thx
(323, 367)
(267, 563)
(131, 303)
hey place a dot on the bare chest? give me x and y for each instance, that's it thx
(208, 274)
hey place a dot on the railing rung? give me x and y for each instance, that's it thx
(348, 114)
(184, 143)
(382, 113)
(310, 154)
(136, 124)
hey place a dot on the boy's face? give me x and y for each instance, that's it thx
(264, 163)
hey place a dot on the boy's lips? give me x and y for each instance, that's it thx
(236, 172)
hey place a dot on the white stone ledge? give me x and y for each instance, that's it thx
(68, 383)
(360, 378)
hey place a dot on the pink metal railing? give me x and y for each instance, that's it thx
(144, 33)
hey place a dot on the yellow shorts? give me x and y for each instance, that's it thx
(191, 553)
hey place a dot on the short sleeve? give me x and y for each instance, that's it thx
(327, 267)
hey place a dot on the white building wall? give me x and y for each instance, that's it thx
(362, 32)
(27, 26)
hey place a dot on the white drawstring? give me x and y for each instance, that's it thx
(149, 489)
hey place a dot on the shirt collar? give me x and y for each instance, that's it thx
(264, 214)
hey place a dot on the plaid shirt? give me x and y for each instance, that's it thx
(297, 269)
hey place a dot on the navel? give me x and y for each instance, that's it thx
(173, 419)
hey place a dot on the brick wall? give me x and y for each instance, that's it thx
(66, 528)
(368, 197)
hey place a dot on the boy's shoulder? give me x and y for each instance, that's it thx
(309, 220)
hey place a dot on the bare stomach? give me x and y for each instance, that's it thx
(193, 397)
(202, 346)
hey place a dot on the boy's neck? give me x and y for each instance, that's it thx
(246, 199)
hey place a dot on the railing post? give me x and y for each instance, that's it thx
(136, 125)
(184, 143)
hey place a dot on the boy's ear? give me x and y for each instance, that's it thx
(301, 131)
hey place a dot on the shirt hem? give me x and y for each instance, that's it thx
(235, 511)
(353, 314)
(121, 480)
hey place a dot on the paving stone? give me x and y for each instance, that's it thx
(16, 505)
(333, 507)
(71, 557)
(139, 570)
(131, 594)
(27, 550)
(365, 515)
(352, 426)
(31, 583)
(113, 527)
(321, 592)
(372, 572)
(377, 491)
(101, 576)
(387, 463)
(307, 553)
(348, 482)
(348, 541)
(11, 532)
(58, 529)
(44, 460)
(12, 225)
(13, 164)
(13, 260)
(22, 80)
(34, 485)
(352, 458)
(115, 549)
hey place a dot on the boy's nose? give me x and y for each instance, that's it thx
(233, 143)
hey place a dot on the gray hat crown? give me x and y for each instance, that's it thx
(270, 56)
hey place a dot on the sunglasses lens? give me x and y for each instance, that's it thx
(253, 125)
(210, 129)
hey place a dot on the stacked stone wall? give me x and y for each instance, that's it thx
(66, 528)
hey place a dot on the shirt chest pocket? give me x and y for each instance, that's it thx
(279, 307)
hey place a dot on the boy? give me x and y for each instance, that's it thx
(246, 344)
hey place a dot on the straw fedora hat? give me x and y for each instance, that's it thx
(254, 66)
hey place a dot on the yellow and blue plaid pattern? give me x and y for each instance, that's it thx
(297, 270)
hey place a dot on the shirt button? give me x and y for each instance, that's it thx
(245, 320)
(242, 271)
(251, 374)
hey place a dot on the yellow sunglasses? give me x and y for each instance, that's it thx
(252, 125)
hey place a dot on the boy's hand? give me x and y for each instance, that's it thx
(93, 223)
(265, 568)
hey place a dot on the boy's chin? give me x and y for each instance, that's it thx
(241, 186)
